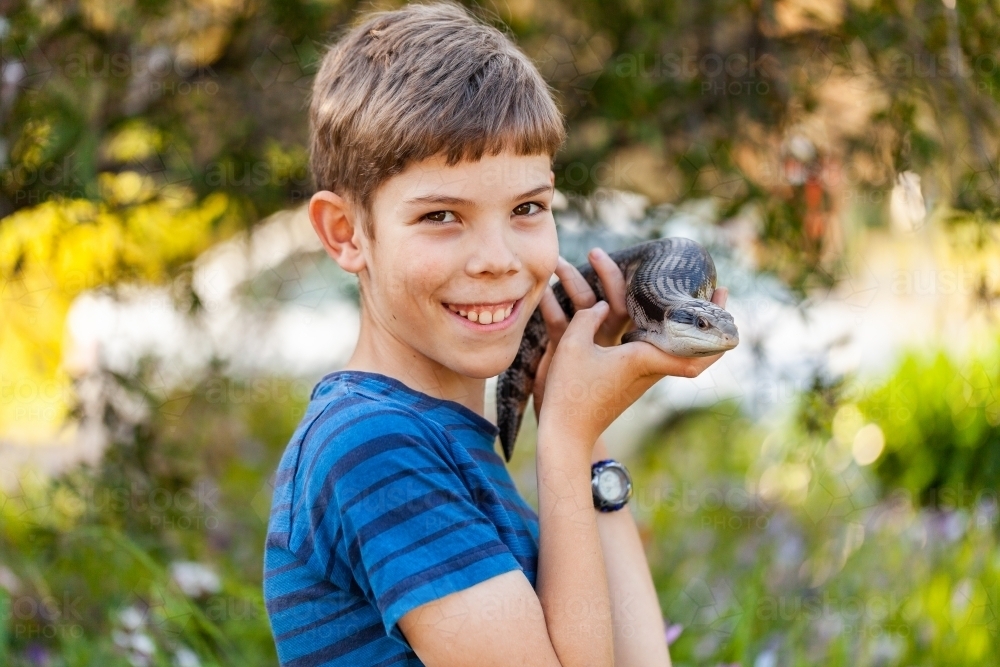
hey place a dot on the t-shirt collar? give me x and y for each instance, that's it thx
(487, 428)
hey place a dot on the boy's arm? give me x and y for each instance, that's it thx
(566, 620)
(636, 616)
(572, 585)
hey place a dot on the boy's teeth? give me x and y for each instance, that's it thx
(486, 316)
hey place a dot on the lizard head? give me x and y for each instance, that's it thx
(695, 328)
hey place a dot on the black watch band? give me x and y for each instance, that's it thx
(610, 484)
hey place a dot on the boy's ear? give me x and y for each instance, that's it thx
(334, 220)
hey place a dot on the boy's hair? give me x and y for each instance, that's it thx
(420, 81)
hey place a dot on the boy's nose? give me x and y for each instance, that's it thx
(493, 253)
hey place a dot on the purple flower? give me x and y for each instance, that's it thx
(671, 632)
(37, 655)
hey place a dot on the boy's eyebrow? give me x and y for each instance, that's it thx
(458, 201)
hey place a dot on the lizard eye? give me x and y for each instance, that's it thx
(702, 323)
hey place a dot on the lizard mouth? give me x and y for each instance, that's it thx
(684, 343)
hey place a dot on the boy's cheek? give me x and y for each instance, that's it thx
(541, 254)
(403, 278)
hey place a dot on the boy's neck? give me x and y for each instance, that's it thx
(387, 356)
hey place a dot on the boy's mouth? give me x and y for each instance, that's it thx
(491, 315)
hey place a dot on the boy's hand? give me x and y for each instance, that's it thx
(582, 296)
(588, 386)
(580, 293)
(612, 325)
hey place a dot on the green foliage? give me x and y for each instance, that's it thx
(757, 564)
(206, 98)
(941, 421)
(187, 482)
(938, 421)
(875, 87)
(673, 100)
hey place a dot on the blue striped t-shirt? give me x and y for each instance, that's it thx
(385, 499)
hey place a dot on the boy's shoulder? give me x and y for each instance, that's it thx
(358, 404)
(366, 433)
(357, 416)
(350, 405)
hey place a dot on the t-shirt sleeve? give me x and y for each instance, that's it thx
(411, 526)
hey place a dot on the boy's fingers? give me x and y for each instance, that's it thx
(651, 360)
(681, 366)
(720, 296)
(540, 376)
(612, 279)
(590, 320)
(552, 313)
(577, 289)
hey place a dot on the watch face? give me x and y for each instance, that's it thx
(610, 485)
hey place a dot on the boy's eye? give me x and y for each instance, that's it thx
(440, 216)
(526, 209)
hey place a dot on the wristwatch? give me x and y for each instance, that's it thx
(611, 485)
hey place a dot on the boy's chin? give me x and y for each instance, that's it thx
(481, 371)
(482, 366)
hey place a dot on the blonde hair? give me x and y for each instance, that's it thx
(420, 81)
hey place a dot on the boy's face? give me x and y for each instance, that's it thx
(472, 240)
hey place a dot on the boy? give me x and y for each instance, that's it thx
(396, 533)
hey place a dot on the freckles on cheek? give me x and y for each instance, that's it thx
(423, 287)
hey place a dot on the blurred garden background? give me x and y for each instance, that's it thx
(825, 494)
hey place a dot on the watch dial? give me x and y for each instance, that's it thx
(610, 485)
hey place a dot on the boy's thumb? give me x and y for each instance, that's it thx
(592, 317)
